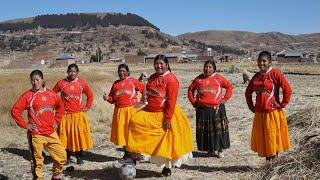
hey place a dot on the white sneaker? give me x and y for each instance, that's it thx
(220, 155)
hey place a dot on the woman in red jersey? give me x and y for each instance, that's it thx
(161, 130)
(45, 109)
(269, 131)
(206, 95)
(123, 95)
(74, 129)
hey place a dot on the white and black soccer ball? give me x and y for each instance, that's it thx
(127, 171)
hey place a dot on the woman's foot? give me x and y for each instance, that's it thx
(166, 172)
(80, 160)
(56, 177)
(79, 156)
(220, 155)
(272, 157)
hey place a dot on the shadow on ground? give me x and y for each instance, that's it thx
(3, 177)
(88, 156)
(93, 157)
(227, 169)
(25, 154)
(108, 173)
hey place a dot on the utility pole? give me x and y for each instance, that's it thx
(14, 56)
(98, 53)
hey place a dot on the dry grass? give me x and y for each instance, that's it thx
(239, 162)
(303, 161)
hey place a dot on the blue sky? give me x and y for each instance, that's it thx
(177, 16)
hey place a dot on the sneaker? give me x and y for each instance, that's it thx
(80, 160)
(166, 172)
(220, 155)
(126, 161)
(56, 177)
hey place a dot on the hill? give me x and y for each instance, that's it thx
(24, 42)
(75, 20)
(274, 41)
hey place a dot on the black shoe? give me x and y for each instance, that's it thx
(68, 163)
(166, 172)
(79, 160)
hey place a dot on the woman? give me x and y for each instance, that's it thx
(270, 130)
(212, 124)
(161, 130)
(74, 129)
(124, 95)
(45, 109)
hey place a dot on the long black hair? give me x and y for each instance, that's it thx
(73, 66)
(213, 63)
(266, 54)
(36, 72)
(39, 73)
(124, 66)
(164, 58)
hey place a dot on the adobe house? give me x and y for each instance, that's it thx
(64, 60)
(204, 58)
(290, 56)
(172, 58)
(134, 59)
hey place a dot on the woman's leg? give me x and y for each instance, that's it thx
(36, 148)
(58, 154)
(79, 156)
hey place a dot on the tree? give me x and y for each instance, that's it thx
(97, 57)
(141, 53)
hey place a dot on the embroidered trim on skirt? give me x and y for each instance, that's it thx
(212, 129)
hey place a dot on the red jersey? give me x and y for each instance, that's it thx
(209, 90)
(266, 86)
(44, 108)
(71, 93)
(124, 92)
(162, 92)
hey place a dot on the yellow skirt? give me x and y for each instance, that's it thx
(270, 133)
(120, 125)
(147, 136)
(74, 132)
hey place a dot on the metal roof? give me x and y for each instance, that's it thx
(64, 57)
(291, 52)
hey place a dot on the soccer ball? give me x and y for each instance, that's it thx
(127, 171)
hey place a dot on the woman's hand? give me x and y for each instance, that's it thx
(105, 96)
(252, 109)
(276, 105)
(32, 127)
(223, 101)
(167, 124)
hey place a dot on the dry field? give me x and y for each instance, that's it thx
(239, 162)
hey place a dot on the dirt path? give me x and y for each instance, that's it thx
(239, 161)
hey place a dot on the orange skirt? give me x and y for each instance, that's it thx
(120, 125)
(270, 133)
(74, 132)
(148, 137)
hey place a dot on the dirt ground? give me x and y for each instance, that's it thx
(100, 162)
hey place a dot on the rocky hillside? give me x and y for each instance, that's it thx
(75, 20)
(125, 35)
(274, 41)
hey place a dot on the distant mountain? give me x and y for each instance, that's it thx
(75, 20)
(274, 41)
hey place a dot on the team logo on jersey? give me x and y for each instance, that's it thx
(72, 87)
(207, 82)
(43, 98)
